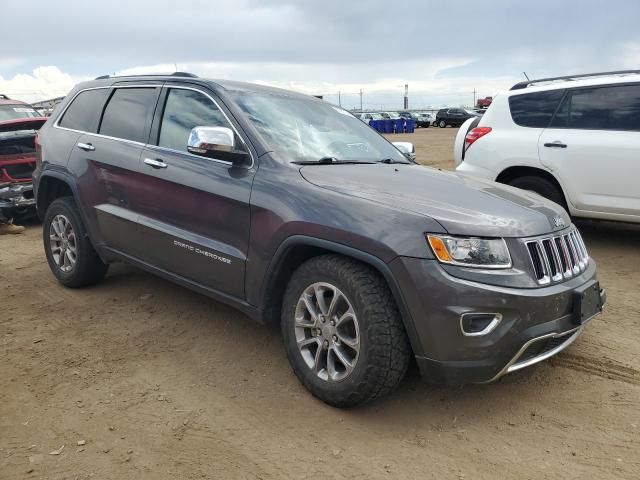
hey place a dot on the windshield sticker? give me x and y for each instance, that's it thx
(23, 110)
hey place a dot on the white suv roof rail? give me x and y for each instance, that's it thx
(528, 83)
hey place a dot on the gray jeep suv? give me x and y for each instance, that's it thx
(296, 212)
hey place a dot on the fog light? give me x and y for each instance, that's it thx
(477, 324)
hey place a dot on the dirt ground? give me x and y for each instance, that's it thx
(140, 379)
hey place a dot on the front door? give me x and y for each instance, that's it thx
(194, 211)
(592, 146)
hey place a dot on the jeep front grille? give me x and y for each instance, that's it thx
(558, 258)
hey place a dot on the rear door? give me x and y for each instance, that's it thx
(194, 213)
(593, 146)
(106, 165)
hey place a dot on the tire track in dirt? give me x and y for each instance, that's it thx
(606, 368)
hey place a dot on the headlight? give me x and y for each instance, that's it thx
(470, 251)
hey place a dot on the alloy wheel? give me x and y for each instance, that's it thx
(327, 332)
(63, 243)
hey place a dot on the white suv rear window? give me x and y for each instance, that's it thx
(534, 109)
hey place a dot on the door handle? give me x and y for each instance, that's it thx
(87, 147)
(155, 163)
(556, 144)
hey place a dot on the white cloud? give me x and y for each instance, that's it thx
(384, 89)
(43, 83)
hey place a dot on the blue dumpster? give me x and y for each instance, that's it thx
(411, 125)
(377, 125)
(399, 125)
(372, 124)
(388, 125)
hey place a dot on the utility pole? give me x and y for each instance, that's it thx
(339, 99)
(360, 99)
(474, 98)
(406, 96)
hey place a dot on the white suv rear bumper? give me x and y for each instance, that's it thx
(476, 171)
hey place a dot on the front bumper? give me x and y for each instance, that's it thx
(16, 195)
(536, 322)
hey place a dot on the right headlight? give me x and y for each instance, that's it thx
(470, 251)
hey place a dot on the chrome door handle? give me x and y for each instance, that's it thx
(87, 147)
(155, 163)
(556, 144)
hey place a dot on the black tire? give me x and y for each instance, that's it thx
(88, 268)
(442, 124)
(541, 186)
(384, 351)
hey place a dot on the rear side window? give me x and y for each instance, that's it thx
(84, 112)
(601, 108)
(128, 113)
(534, 109)
(184, 110)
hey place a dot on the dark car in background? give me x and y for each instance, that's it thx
(19, 124)
(453, 117)
(296, 212)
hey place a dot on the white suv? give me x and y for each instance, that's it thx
(574, 140)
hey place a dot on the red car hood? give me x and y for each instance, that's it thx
(22, 124)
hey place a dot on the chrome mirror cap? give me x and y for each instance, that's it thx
(203, 140)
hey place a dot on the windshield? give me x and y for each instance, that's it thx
(17, 111)
(307, 130)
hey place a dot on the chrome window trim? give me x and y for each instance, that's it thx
(149, 145)
(233, 127)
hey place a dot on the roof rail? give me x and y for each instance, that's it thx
(174, 74)
(521, 85)
(4, 97)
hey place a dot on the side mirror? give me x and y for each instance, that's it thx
(216, 142)
(407, 149)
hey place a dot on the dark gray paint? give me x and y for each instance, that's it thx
(254, 215)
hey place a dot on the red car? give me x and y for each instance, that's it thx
(19, 123)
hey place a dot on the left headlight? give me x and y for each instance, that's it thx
(470, 251)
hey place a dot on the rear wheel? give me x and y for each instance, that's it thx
(343, 332)
(71, 256)
(541, 186)
(442, 124)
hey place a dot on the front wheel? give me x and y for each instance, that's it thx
(71, 257)
(343, 332)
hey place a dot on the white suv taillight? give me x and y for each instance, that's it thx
(475, 134)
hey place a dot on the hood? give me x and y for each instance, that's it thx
(462, 205)
(33, 123)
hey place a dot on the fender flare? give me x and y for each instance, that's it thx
(339, 248)
(67, 179)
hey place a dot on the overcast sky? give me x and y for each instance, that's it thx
(442, 49)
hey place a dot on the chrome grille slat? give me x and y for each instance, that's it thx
(558, 257)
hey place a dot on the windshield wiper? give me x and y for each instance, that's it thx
(390, 161)
(329, 161)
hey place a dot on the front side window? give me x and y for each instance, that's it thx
(534, 109)
(301, 129)
(601, 108)
(184, 110)
(128, 113)
(84, 112)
